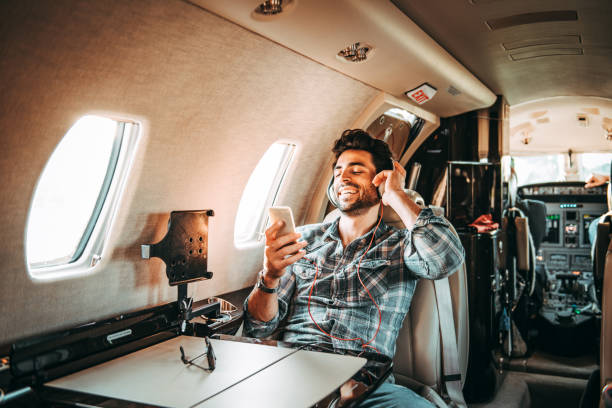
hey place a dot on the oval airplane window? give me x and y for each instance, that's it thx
(260, 193)
(76, 196)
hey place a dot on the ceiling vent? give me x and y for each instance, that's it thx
(357, 52)
(592, 111)
(479, 2)
(548, 52)
(541, 121)
(531, 18)
(453, 91)
(538, 114)
(570, 44)
(572, 40)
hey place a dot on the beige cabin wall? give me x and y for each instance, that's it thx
(212, 97)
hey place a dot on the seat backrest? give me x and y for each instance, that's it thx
(419, 350)
(604, 269)
(418, 353)
(606, 323)
(535, 211)
(600, 246)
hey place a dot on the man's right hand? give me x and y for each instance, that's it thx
(280, 252)
(597, 180)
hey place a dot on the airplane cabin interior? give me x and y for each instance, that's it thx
(144, 141)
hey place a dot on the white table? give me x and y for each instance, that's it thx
(252, 375)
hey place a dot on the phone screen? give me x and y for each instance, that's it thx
(285, 214)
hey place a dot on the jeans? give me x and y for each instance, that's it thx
(390, 395)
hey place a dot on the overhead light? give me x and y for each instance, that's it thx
(270, 7)
(525, 138)
(357, 52)
(402, 115)
(583, 120)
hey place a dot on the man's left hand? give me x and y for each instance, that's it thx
(394, 180)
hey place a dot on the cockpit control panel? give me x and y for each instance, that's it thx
(565, 253)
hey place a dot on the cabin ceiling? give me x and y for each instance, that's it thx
(402, 56)
(559, 124)
(523, 49)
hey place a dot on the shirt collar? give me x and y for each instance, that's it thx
(333, 233)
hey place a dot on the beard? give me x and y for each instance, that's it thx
(366, 197)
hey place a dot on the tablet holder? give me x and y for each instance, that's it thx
(184, 250)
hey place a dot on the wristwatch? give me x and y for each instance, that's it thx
(261, 285)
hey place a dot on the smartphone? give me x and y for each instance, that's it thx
(285, 214)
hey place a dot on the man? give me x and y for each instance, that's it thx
(362, 272)
(595, 180)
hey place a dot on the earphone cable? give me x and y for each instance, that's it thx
(363, 344)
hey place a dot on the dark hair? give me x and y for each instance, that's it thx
(358, 139)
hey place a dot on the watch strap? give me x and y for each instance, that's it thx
(262, 285)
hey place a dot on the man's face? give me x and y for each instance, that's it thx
(353, 174)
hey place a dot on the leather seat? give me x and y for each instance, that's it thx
(535, 211)
(419, 349)
(529, 226)
(603, 271)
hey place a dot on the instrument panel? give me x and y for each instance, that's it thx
(567, 189)
(565, 253)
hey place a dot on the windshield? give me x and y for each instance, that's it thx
(558, 167)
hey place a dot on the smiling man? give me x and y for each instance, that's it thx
(348, 284)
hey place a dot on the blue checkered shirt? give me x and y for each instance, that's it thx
(339, 304)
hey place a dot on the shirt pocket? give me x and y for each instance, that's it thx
(304, 270)
(373, 274)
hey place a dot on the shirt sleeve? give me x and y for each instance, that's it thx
(258, 328)
(432, 248)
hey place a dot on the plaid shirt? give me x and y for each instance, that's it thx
(339, 303)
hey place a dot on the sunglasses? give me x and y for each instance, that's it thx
(209, 353)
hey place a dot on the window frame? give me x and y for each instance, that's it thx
(256, 235)
(90, 249)
(103, 195)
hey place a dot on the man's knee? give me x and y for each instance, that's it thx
(394, 396)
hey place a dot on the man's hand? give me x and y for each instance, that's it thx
(596, 180)
(280, 252)
(394, 195)
(350, 390)
(394, 181)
